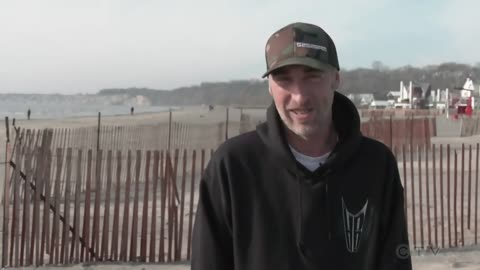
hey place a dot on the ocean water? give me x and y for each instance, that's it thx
(54, 109)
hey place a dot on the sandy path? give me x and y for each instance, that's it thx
(465, 260)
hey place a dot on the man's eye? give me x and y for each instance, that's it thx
(315, 75)
(282, 79)
(315, 78)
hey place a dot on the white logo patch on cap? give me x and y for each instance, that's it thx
(310, 46)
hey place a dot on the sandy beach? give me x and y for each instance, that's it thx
(209, 131)
(462, 260)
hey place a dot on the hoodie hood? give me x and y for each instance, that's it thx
(346, 122)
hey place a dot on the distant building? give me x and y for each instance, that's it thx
(468, 89)
(421, 95)
(394, 96)
(380, 104)
(361, 100)
(468, 95)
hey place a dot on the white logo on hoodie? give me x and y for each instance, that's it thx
(353, 226)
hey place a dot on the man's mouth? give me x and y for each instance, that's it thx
(302, 111)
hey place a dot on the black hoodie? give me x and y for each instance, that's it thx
(261, 209)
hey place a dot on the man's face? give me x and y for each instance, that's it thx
(303, 97)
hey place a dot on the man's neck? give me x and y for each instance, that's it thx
(315, 145)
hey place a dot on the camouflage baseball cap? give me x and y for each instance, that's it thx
(300, 44)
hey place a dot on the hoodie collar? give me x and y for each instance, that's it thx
(346, 122)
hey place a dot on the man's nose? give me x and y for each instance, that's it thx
(300, 93)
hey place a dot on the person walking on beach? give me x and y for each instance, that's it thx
(131, 110)
(29, 112)
(305, 190)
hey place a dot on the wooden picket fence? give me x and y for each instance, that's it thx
(404, 113)
(144, 137)
(65, 205)
(396, 132)
(441, 194)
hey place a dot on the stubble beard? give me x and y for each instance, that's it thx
(304, 130)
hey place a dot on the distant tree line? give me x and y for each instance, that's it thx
(379, 80)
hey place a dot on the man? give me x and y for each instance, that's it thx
(305, 190)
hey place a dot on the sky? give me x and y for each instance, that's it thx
(82, 46)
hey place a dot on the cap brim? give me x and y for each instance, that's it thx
(304, 61)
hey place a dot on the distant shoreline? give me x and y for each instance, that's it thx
(160, 109)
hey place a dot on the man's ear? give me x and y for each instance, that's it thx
(336, 81)
(269, 88)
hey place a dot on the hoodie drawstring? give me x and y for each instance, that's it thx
(327, 204)
(300, 204)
